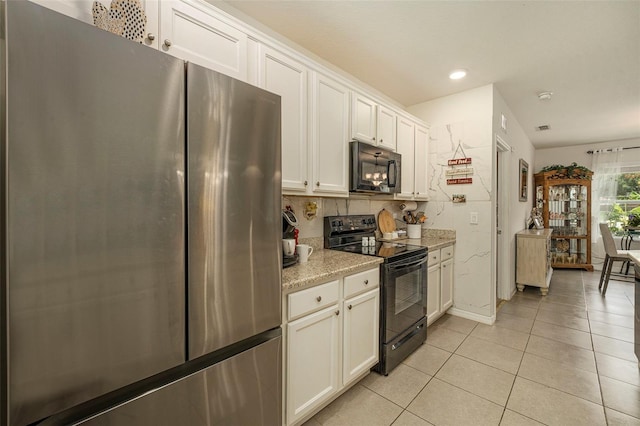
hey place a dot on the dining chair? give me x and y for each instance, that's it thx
(612, 254)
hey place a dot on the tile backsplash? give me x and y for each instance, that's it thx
(311, 228)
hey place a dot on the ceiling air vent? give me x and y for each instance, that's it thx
(543, 127)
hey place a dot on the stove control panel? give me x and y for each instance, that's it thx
(339, 230)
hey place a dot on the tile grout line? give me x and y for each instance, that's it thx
(595, 360)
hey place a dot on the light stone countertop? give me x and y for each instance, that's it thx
(326, 265)
(432, 243)
(323, 266)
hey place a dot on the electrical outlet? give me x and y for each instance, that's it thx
(474, 218)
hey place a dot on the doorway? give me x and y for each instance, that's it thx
(502, 232)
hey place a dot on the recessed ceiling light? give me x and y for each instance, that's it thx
(457, 74)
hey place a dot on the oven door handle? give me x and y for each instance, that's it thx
(408, 265)
(407, 337)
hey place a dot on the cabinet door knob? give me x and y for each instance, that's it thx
(318, 183)
(151, 36)
(374, 138)
(349, 307)
(366, 282)
(167, 42)
(338, 312)
(306, 183)
(381, 140)
(319, 298)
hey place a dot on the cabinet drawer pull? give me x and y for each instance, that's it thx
(338, 312)
(319, 298)
(349, 307)
(366, 282)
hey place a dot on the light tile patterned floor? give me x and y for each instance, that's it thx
(563, 359)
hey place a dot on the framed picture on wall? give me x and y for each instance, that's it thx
(524, 180)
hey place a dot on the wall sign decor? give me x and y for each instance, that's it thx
(459, 198)
(455, 172)
(524, 179)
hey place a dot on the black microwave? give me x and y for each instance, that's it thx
(374, 169)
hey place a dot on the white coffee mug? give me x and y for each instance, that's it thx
(288, 246)
(304, 251)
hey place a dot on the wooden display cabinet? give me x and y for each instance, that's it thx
(565, 203)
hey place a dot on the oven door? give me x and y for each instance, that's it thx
(404, 294)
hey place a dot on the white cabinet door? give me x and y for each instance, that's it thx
(312, 361)
(330, 136)
(363, 119)
(405, 147)
(446, 284)
(421, 188)
(287, 77)
(360, 339)
(433, 293)
(386, 128)
(189, 30)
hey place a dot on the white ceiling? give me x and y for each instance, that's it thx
(586, 53)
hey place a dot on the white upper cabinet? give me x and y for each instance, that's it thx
(363, 119)
(372, 123)
(287, 77)
(386, 128)
(405, 147)
(421, 186)
(412, 144)
(190, 30)
(329, 136)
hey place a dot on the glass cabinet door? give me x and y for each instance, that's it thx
(568, 218)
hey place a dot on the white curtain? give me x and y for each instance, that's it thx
(606, 168)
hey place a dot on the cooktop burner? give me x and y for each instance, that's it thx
(381, 249)
(345, 233)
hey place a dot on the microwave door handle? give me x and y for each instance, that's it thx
(392, 184)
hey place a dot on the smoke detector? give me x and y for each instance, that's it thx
(545, 96)
(543, 128)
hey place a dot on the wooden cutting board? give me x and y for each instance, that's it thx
(386, 222)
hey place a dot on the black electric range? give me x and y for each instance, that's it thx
(345, 233)
(403, 285)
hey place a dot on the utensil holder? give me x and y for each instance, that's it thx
(414, 230)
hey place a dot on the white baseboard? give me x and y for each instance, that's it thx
(472, 316)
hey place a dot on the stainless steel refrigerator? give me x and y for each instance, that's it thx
(139, 238)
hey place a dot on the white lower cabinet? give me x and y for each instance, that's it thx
(313, 360)
(439, 283)
(360, 339)
(433, 293)
(331, 340)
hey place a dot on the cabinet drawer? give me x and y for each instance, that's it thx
(446, 253)
(357, 283)
(434, 257)
(312, 299)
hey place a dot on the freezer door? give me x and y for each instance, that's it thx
(95, 220)
(234, 219)
(245, 389)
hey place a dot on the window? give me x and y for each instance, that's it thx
(624, 209)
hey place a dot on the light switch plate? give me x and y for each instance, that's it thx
(474, 218)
